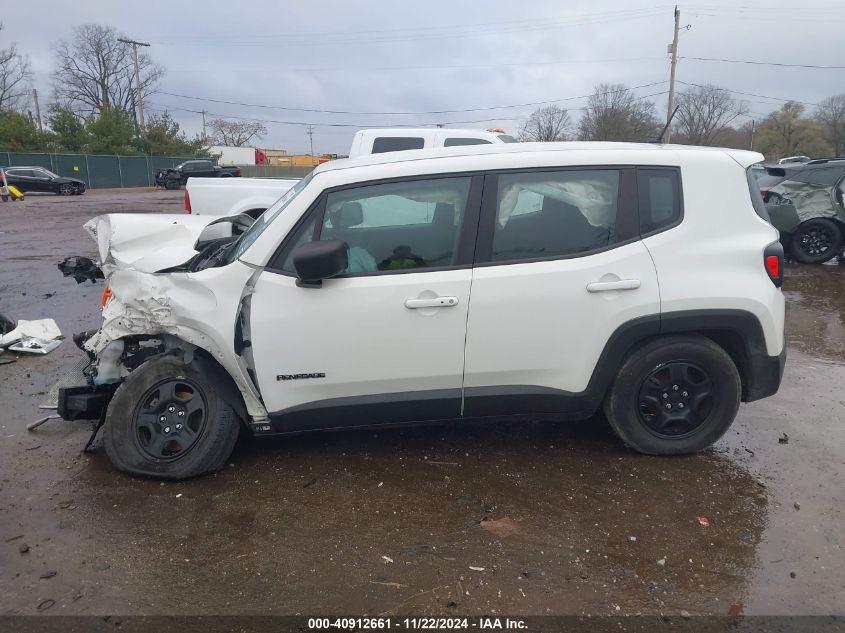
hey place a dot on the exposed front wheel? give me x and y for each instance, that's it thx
(171, 184)
(816, 241)
(674, 395)
(167, 420)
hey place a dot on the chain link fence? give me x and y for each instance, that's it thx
(96, 170)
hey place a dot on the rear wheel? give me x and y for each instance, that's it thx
(167, 420)
(674, 395)
(816, 241)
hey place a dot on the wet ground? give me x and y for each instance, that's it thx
(526, 519)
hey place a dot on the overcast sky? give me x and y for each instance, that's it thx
(364, 57)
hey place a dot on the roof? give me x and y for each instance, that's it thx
(743, 157)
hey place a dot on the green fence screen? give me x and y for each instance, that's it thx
(97, 171)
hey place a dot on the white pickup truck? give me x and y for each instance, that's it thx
(231, 196)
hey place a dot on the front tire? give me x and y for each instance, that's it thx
(171, 185)
(65, 190)
(674, 395)
(168, 421)
(816, 241)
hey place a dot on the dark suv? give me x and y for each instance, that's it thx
(29, 179)
(805, 203)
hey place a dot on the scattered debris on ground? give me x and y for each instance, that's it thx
(34, 337)
(80, 268)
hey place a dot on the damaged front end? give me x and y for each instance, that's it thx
(167, 294)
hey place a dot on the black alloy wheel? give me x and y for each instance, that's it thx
(169, 419)
(816, 241)
(676, 399)
(65, 189)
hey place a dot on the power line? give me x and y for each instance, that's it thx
(468, 30)
(756, 63)
(218, 69)
(404, 113)
(749, 94)
(165, 107)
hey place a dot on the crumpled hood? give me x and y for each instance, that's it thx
(148, 243)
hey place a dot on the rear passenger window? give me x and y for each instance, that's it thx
(453, 142)
(396, 143)
(659, 198)
(557, 213)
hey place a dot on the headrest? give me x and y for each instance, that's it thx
(350, 214)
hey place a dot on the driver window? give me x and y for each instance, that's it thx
(399, 225)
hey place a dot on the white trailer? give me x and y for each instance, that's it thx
(234, 155)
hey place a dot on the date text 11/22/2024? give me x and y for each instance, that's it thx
(417, 623)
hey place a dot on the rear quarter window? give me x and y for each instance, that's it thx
(384, 144)
(659, 193)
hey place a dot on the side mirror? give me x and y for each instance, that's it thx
(315, 261)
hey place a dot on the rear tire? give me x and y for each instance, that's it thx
(168, 421)
(816, 241)
(674, 395)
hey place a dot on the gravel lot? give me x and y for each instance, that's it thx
(525, 519)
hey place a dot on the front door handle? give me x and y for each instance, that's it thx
(437, 302)
(622, 284)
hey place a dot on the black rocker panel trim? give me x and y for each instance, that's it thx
(370, 410)
(760, 372)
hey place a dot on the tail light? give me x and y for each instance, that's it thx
(187, 202)
(106, 296)
(773, 262)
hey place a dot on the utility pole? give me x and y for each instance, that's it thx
(37, 109)
(753, 124)
(311, 137)
(138, 102)
(674, 51)
(204, 136)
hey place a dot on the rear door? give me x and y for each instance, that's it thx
(385, 341)
(560, 270)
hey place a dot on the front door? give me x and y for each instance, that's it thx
(383, 342)
(562, 269)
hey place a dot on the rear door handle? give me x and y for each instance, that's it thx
(622, 284)
(437, 302)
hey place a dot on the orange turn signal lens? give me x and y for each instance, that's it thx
(106, 296)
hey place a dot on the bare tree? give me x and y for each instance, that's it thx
(704, 112)
(547, 124)
(235, 133)
(613, 113)
(831, 114)
(15, 78)
(94, 72)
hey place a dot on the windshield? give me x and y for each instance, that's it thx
(260, 225)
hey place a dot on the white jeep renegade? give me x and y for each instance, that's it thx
(549, 281)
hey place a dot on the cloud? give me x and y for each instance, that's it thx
(337, 55)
